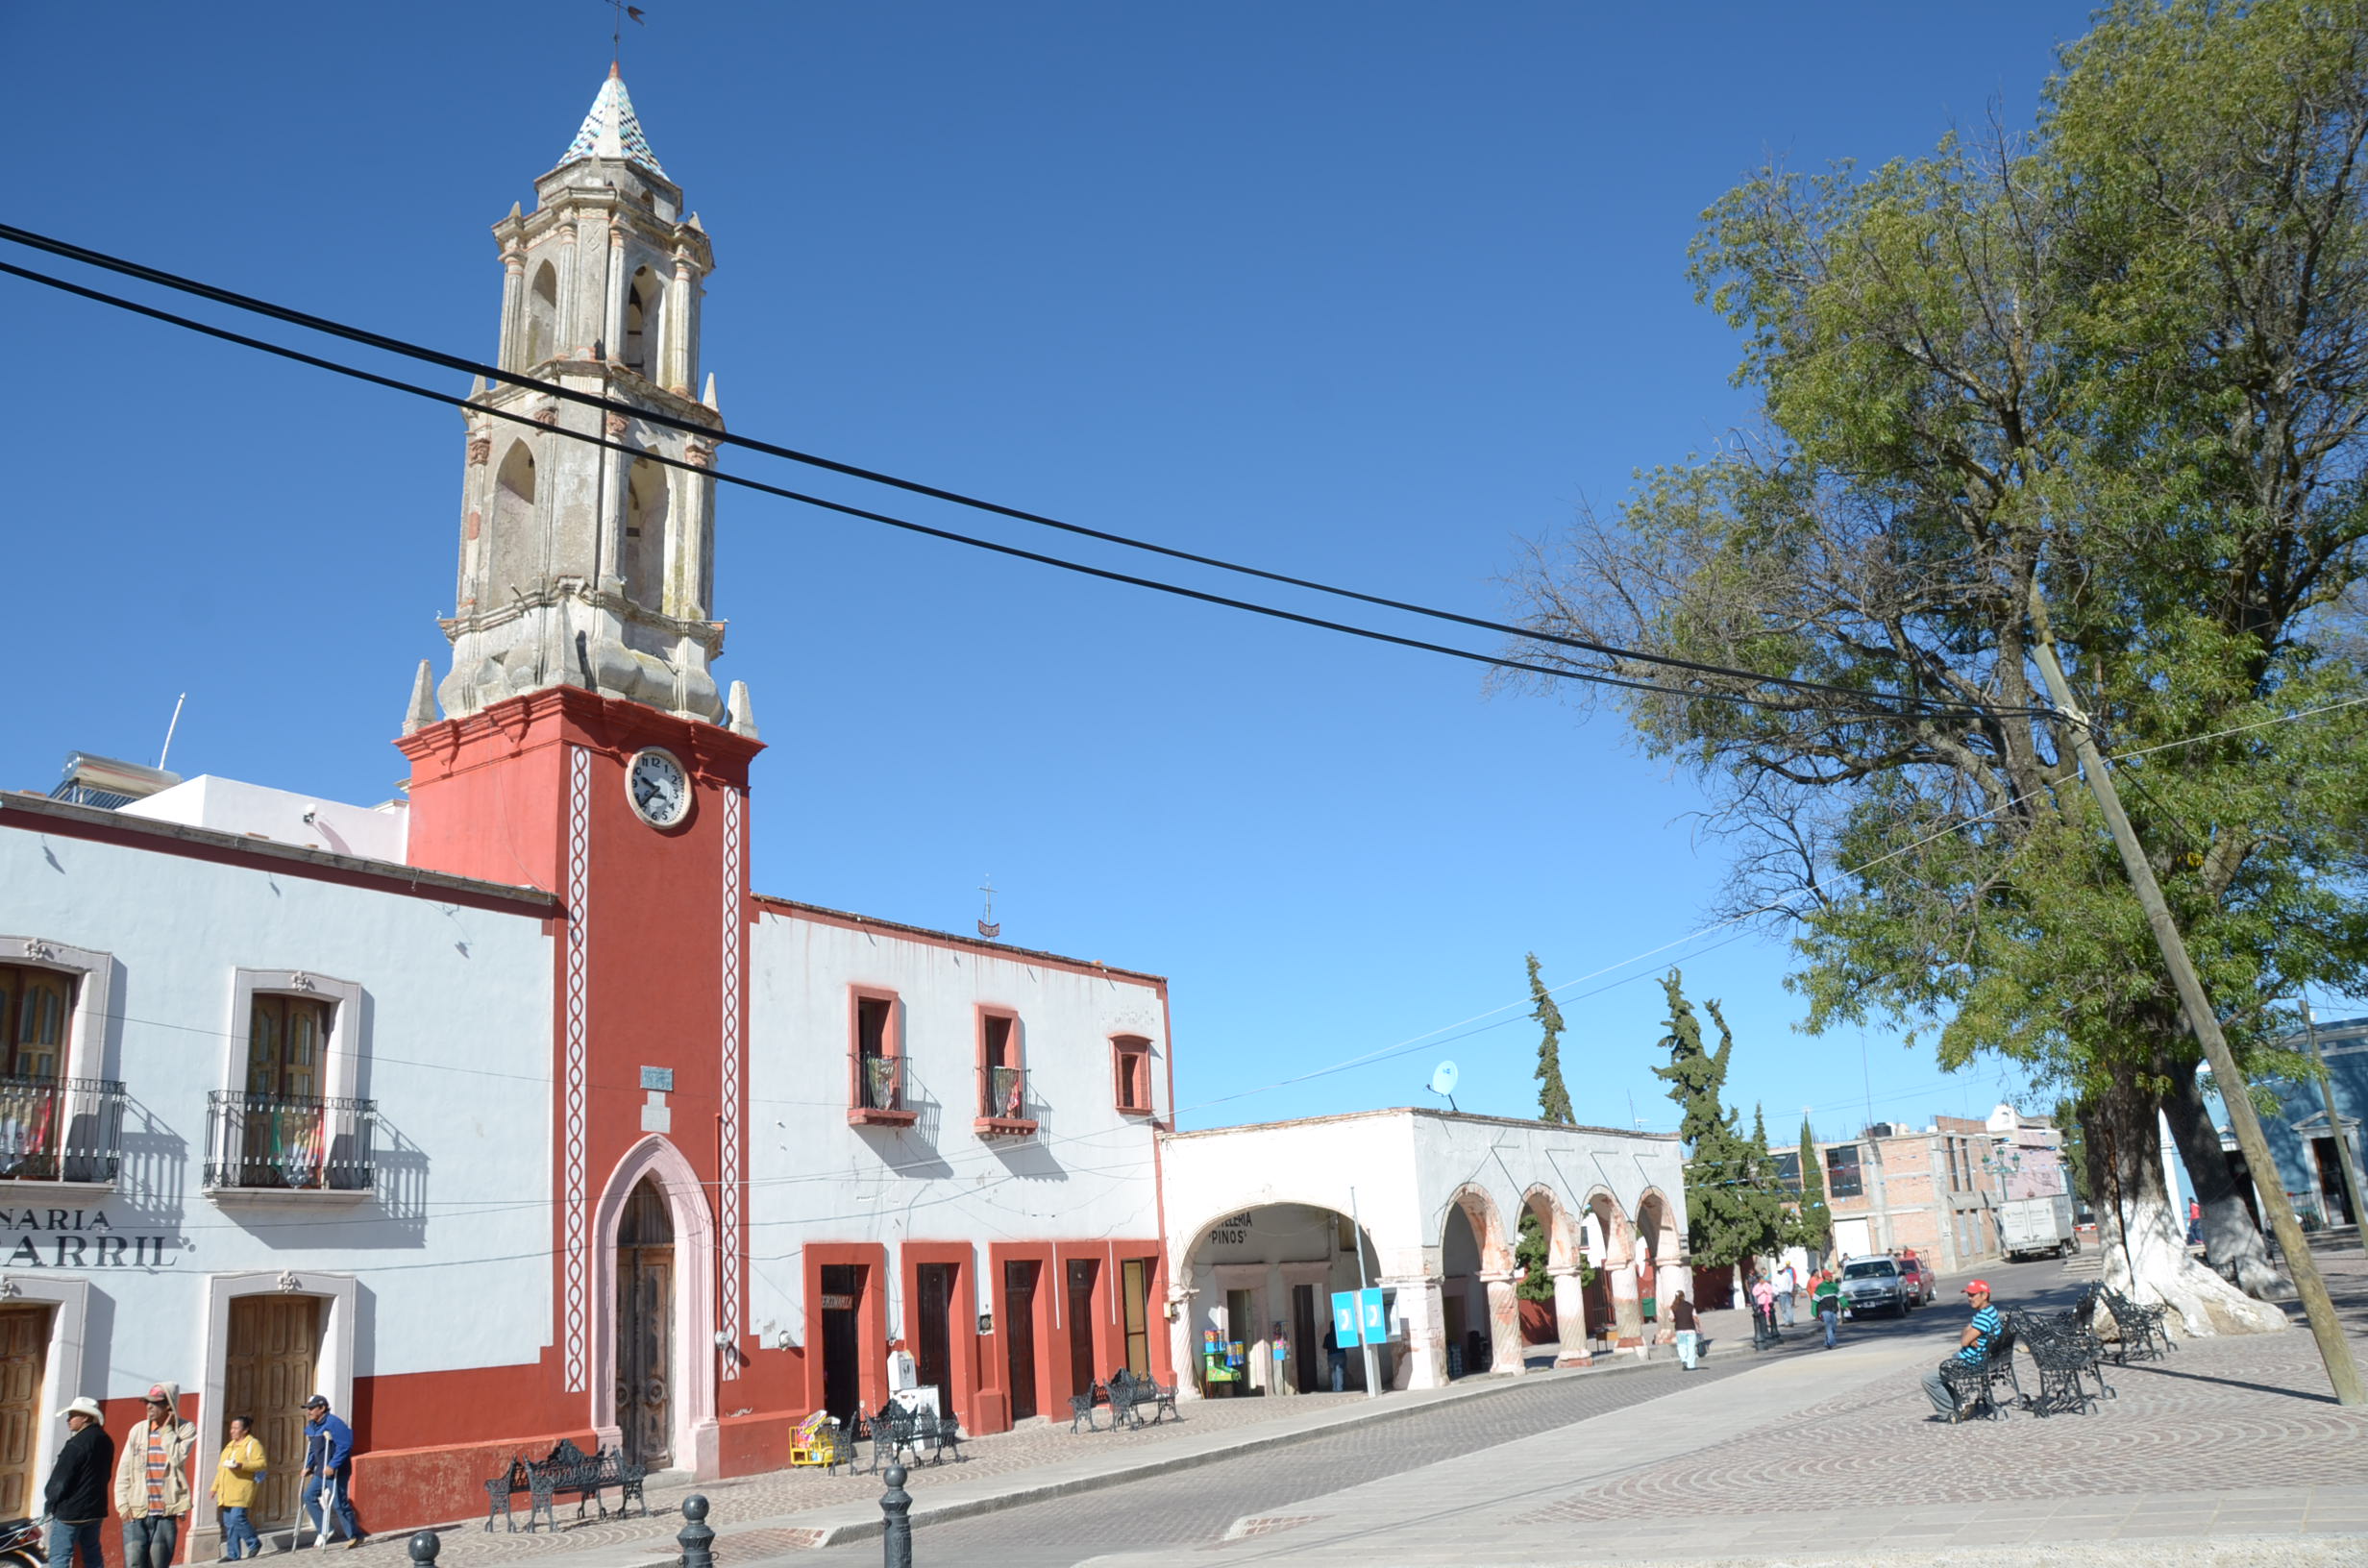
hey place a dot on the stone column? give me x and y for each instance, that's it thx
(1183, 1343)
(1505, 1347)
(512, 349)
(612, 313)
(1571, 1318)
(1627, 1310)
(677, 377)
(1418, 1302)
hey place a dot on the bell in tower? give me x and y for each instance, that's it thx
(581, 565)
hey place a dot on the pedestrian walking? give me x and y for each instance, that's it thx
(328, 1464)
(1827, 1300)
(151, 1481)
(1763, 1311)
(1688, 1335)
(1971, 1346)
(1788, 1281)
(76, 1496)
(235, 1482)
(1336, 1359)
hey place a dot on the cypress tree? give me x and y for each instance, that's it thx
(1553, 1099)
(1729, 1215)
(1814, 1224)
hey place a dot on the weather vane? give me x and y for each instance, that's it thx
(616, 31)
(988, 925)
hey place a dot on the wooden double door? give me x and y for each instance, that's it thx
(646, 1328)
(268, 1367)
(24, 1358)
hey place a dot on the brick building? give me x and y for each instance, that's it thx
(1932, 1190)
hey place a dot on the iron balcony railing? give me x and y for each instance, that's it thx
(882, 1077)
(1003, 1096)
(60, 1129)
(275, 1143)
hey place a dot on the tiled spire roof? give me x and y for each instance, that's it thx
(613, 130)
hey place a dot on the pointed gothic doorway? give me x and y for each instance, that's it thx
(646, 1327)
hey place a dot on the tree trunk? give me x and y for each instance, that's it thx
(2233, 1242)
(2142, 1240)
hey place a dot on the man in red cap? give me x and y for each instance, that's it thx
(1971, 1346)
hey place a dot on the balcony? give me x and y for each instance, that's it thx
(879, 1093)
(271, 1145)
(1004, 1108)
(61, 1132)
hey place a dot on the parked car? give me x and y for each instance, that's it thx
(1920, 1280)
(1875, 1285)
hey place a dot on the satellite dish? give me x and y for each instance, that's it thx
(1443, 1078)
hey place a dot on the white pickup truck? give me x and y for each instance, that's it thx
(2027, 1227)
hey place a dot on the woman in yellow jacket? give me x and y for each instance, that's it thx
(234, 1491)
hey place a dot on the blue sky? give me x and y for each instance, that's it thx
(1366, 292)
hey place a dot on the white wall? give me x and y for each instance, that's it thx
(228, 806)
(455, 1029)
(1086, 1173)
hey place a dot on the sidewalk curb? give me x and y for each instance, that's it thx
(1251, 1442)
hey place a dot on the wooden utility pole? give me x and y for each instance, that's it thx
(2341, 1371)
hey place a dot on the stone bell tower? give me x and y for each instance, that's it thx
(580, 566)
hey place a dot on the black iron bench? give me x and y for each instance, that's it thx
(2068, 1356)
(1976, 1383)
(1128, 1394)
(898, 1429)
(566, 1469)
(2142, 1335)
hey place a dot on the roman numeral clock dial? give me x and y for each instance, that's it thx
(658, 788)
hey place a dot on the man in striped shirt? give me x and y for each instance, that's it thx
(1971, 1346)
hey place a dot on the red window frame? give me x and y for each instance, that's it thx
(860, 1112)
(991, 1121)
(1130, 1069)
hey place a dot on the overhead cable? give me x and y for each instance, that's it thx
(123, 266)
(1860, 707)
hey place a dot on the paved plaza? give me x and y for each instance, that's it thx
(2229, 1451)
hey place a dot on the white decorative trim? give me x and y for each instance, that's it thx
(85, 1041)
(343, 1055)
(693, 1375)
(332, 1366)
(575, 1242)
(727, 1180)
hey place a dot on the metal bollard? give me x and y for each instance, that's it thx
(695, 1538)
(896, 1533)
(424, 1547)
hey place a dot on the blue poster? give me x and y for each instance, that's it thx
(1345, 1317)
(1370, 1323)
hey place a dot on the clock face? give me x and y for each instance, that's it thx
(658, 788)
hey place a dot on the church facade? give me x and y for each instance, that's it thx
(510, 1110)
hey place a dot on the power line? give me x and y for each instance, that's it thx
(1861, 709)
(1871, 703)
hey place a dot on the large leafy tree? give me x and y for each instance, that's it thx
(2114, 374)
(1553, 1099)
(1731, 1213)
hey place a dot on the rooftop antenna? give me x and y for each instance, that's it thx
(988, 924)
(1442, 1083)
(168, 731)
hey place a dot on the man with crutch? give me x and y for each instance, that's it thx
(329, 1466)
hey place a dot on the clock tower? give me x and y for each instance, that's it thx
(584, 748)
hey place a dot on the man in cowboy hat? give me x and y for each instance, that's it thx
(151, 1481)
(76, 1496)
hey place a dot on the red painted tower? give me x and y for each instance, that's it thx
(585, 751)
